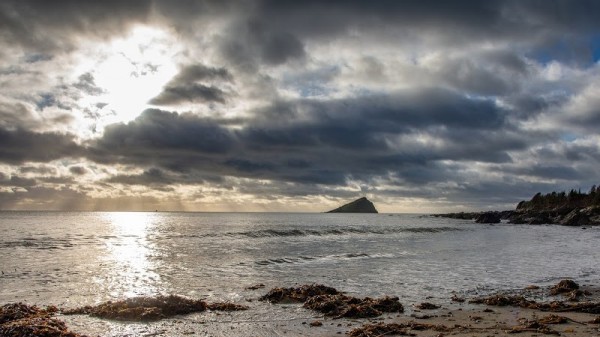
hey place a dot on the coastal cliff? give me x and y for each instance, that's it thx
(569, 209)
(362, 205)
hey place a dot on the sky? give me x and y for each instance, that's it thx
(296, 106)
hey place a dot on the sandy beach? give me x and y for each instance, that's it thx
(482, 320)
(565, 311)
(497, 321)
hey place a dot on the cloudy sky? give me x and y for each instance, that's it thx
(422, 106)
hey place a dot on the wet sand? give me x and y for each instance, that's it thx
(487, 321)
(450, 319)
(481, 320)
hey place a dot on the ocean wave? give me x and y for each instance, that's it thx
(266, 233)
(38, 243)
(319, 258)
(297, 232)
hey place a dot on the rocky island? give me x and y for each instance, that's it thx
(569, 209)
(362, 205)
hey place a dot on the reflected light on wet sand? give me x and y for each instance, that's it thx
(130, 266)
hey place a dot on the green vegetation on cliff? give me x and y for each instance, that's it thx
(556, 201)
(569, 209)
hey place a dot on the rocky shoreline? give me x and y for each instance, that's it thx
(589, 216)
(572, 209)
(566, 303)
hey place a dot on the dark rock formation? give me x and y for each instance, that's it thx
(362, 205)
(489, 217)
(18, 320)
(460, 215)
(333, 303)
(564, 286)
(297, 294)
(145, 309)
(479, 217)
(568, 209)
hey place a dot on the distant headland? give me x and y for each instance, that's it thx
(569, 209)
(362, 205)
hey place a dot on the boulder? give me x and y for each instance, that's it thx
(488, 217)
(575, 218)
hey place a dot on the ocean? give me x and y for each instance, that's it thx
(71, 259)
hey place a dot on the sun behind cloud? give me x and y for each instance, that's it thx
(127, 73)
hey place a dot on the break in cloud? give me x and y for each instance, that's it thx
(296, 105)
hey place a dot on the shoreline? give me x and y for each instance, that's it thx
(496, 321)
(454, 317)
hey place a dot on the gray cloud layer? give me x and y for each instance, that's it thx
(471, 103)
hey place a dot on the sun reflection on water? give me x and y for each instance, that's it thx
(130, 267)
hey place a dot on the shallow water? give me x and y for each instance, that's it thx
(71, 259)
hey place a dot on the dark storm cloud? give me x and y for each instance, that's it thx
(41, 170)
(363, 122)
(549, 171)
(87, 84)
(16, 181)
(44, 198)
(360, 137)
(160, 178)
(189, 93)
(51, 25)
(274, 32)
(15, 115)
(185, 86)
(317, 18)
(157, 133)
(463, 131)
(200, 72)
(149, 177)
(78, 170)
(469, 18)
(278, 48)
(21, 145)
(572, 152)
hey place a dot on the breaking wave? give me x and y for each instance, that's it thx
(339, 231)
(307, 259)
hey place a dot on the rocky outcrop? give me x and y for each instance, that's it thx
(459, 215)
(489, 217)
(479, 217)
(588, 216)
(362, 205)
(567, 209)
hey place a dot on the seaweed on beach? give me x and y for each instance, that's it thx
(332, 302)
(15, 311)
(226, 306)
(144, 308)
(379, 329)
(342, 306)
(533, 326)
(566, 287)
(563, 287)
(557, 306)
(383, 329)
(522, 302)
(504, 300)
(297, 294)
(553, 319)
(21, 320)
(427, 306)
(456, 298)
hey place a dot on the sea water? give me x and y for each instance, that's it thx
(71, 259)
